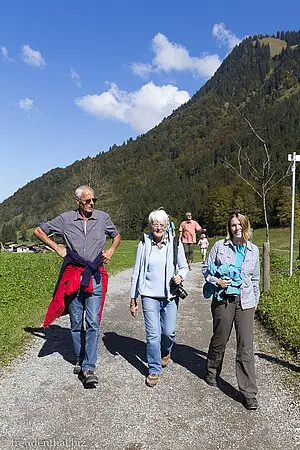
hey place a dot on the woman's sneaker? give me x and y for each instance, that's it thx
(152, 379)
(211, 380)
(250, 403)
(165, 360)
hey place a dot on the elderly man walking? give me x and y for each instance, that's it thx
(82, 281)
(187, 234)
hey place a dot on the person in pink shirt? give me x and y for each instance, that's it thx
(203, 243)
(187, 234)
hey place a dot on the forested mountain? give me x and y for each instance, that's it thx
(179, 164)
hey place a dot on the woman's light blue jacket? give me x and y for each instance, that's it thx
(138, 277)
(223, 252)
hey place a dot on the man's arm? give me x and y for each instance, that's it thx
(107, 254)
(59, 249)
(180, 231)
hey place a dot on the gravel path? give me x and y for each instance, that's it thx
(43, 405)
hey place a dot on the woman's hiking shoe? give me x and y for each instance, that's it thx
(211, 380)
(152, 379)
(250, 403)
(165, 360)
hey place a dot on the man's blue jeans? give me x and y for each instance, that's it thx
(86, 342)
(160, 316)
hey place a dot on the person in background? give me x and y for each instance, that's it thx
(187, 234)
(82, 281)
(203, 243)
(154, 278)
(170, 228)
(236, 254)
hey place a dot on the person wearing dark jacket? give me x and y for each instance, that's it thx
(84, 232)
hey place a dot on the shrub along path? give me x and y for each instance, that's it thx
(44, 405)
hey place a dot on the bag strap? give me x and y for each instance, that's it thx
(175, 253)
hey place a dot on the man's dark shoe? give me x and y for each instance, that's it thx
(89, 378)
(211, 380)
(77, 368)
(250, 403)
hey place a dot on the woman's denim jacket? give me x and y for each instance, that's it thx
(223, 252)
(138, 277)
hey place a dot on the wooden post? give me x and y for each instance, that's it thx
(266, 266)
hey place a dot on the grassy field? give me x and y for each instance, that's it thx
(27, 282)
(278, 308)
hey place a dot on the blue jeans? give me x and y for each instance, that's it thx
(160, 316)
(86, 342)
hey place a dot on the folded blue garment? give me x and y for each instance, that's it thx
(222, 271)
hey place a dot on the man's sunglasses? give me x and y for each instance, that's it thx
(88, 201)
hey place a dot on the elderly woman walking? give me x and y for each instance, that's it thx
(232, 271)
(156, 280)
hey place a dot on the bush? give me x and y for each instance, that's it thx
(279, 308)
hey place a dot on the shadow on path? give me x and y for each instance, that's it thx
(57, 339)
(133, 350)
(194, 360)
(281, 362)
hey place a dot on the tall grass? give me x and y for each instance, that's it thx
(279, 308)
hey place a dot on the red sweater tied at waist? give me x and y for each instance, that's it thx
(68, 285)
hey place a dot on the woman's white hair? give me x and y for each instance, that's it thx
(80, 189)
(158, 215)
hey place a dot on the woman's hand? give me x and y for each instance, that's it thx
(133, 307)
(177, 279)
(224, 282)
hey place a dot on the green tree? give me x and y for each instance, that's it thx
(23, 232)
(8, 233)
(221, 206)
(283, 210)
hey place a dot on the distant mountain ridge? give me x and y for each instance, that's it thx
(178, 164)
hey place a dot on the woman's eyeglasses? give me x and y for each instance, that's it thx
(158, 226)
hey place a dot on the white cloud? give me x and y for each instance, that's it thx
(32, 57)
(75, 77)
(4, 52)
(171, 56)
(226, 37)
(141, 69)
(26, 104)
(207, 65)
(142, 109)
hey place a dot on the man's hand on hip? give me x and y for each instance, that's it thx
(61, 250)
(107, 255)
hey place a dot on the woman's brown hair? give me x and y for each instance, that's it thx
(245, 224)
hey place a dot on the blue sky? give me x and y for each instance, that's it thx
(79, 76)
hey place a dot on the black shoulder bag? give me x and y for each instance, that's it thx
(177, 289)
